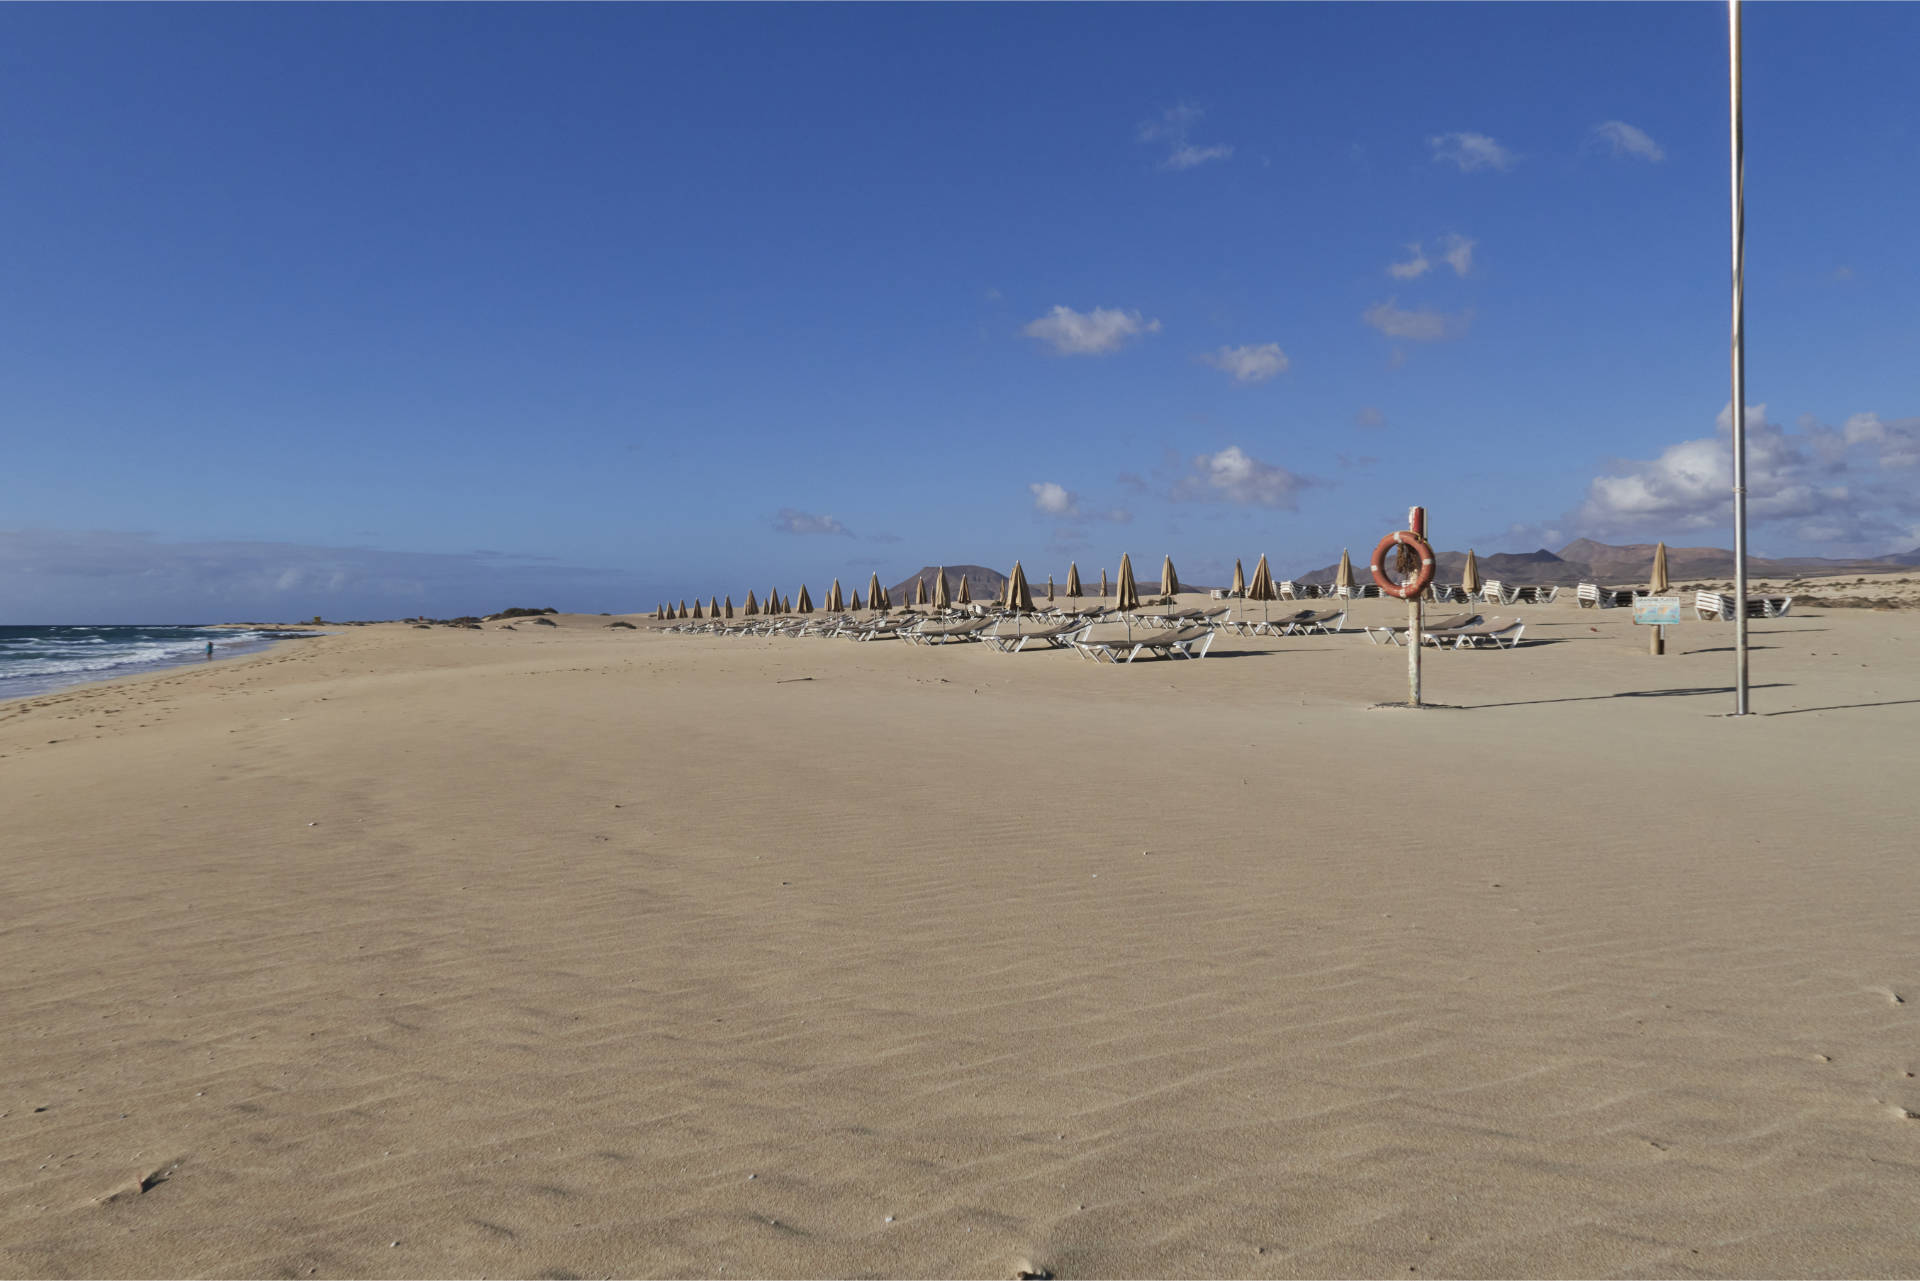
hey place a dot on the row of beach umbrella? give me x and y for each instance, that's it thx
(1018, 596)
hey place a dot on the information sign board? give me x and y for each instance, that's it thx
(1656, 610)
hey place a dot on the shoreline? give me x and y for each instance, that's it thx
(59, 682)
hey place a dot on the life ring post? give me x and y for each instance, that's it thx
(1417, 522)
(1412, 539)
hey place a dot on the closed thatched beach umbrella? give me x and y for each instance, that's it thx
(753, 606)
(836, 602)
(1658, 585)
(1239, 582)
(806, 601)
(683, 608)
(1073, 580)
(1343, 581)
(1049, 586)
(713, 607)
(1019, 598)
(856, 604)
(1103, 584)
(729, 604)
(773, 603)
(696, 609)
(873, 591)
(1169, 581)
(1262, 588)
(920, 590)
(1470, 575)
(965, 594)
(786, 602)
(1126, 596)
(942, 598)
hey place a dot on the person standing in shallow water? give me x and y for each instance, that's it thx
(209, 649)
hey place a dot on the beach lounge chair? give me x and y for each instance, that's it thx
(1535, 595)
(1324, 621)
(1390, 635)
(950, 633)
(1501, 633)
(1059, 636)
(877, 629)
(1188, 642)
(1594, 596)
(1720, 605)
(1274, 626)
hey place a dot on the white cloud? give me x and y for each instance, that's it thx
(1625, 140)
(1895, 444)
(1823, 484)
(1235, 476)
(1187, 156)
(1250, 364)
(1369, 416)
(1061, 503)
(1415, 326)
(1412, 268)
(1456, 251)
(1173, 128)
(1471, 151)
(790, 521)
(1055, 500)
(1092, 333)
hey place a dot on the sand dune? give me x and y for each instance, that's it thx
(576, 951)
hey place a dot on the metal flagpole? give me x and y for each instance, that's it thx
(1739, 371)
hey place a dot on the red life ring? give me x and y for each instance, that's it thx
(1418, 583)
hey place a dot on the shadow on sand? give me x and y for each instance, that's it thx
(1841, 707)
(1698, 692)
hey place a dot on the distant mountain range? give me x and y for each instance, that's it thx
(1586, 561)
(982, 583)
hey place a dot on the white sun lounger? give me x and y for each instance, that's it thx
(1189, 642)
(1390, 635)
(1060, 636)
(1501, 633)
(1720, 605)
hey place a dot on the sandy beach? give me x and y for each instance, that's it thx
(581, 951)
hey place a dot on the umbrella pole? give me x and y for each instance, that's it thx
(1657, 643)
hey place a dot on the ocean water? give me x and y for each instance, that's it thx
(34, 660)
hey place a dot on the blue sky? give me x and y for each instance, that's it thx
(372, 310)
